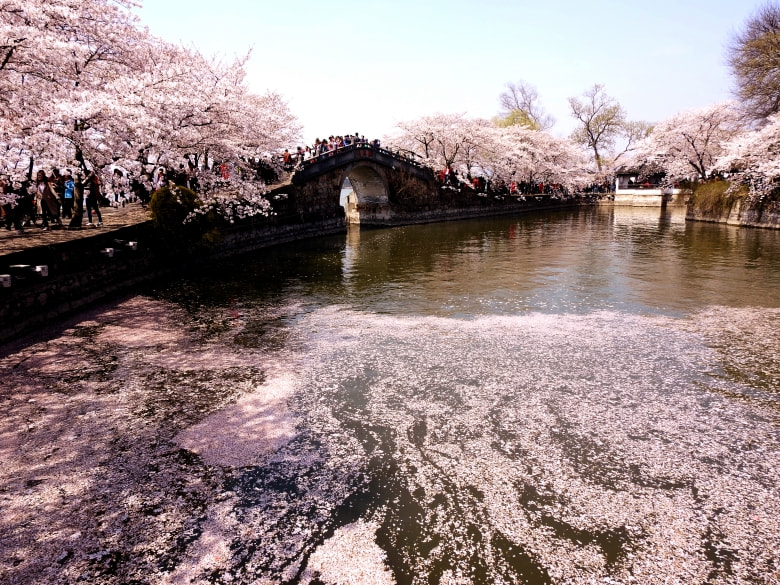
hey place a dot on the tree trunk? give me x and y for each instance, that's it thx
(597, 157)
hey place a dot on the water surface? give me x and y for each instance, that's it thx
(553, 398)
(576, 397)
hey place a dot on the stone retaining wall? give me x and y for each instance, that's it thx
(382, 216)
(82, 272)
(758, 213)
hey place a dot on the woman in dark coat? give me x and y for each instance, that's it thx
(92, 189)
(78, 203)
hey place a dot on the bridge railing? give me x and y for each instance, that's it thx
(329, 160)
(363, 146)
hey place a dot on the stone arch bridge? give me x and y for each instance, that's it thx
(388, 188)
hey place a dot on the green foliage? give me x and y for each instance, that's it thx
(515, 118)
(716, 198)
(171, 205)
(601, 120)
(172, 213)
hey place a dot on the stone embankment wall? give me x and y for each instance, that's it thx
(415, 200)
(381, 216)
(82, 272)
(75, 274)
(745, 212)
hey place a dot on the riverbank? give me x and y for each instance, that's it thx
(50, 275)
(114, 218)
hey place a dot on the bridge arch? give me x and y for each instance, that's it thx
(386, 186)
(368, 190)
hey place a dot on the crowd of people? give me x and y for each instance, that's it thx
(456, 180)
(183, 176)
(49, 199)
(60, 199)
(323, 147)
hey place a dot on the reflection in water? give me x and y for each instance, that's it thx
(637, 260)
(351, 252)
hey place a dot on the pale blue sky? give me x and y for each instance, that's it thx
(364, 65)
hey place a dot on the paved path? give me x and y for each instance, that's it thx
(113, 218)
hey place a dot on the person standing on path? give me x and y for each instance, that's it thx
(67, 195)
(160, 180)
(50, 205)
(92, 193)
(78, 203)
(10, 205)
(57, 183)
(119, 186)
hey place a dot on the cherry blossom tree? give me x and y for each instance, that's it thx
(502, 154)
(439, 140)
(752, 157)
(688, 144)
(58, 57)
(82, 83)
(529, 156)
(200, 110)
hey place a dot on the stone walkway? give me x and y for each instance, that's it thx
(113, 218)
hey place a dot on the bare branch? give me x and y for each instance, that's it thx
(754, 58)
(520, 104)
